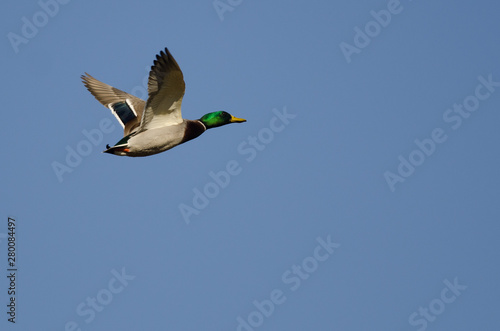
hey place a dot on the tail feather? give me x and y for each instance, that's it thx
(117, 150)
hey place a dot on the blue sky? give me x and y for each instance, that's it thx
(362, 193)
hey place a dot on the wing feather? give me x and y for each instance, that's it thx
(166, 89)
(109, 96)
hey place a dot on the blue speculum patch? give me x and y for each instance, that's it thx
(123, 111)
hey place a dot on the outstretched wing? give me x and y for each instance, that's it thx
(166, 89)
(127, 108)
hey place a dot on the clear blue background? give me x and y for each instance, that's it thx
(323, 175)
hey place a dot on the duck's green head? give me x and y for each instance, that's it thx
(219, 118)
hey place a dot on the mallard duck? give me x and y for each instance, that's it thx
(156, 125)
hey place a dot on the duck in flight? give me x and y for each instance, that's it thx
(156, 125)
